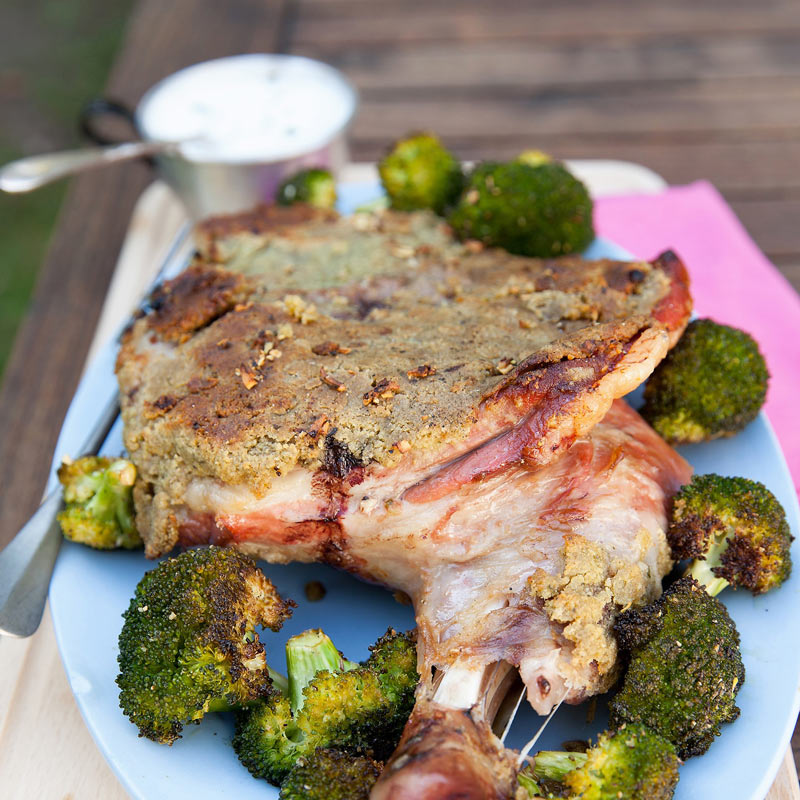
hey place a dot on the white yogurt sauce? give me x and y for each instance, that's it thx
(248, 108)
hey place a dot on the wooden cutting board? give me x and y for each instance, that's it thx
(46, 751)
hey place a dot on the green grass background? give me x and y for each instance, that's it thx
(54, 56)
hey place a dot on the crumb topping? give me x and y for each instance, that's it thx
(586, 596)
(284, 320)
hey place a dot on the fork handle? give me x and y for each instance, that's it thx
(25, 568)
(27, 561)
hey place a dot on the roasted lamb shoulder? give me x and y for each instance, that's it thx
(426, 414)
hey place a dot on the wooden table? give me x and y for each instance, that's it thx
(692, 88)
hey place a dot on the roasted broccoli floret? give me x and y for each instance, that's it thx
(735, 530)
(189, 645)
(684, 668)
(332, 703)
(538, 210)
(420, 172)
(315, 187)
(98, 502)
(711, 384)
(632, 763)
(331, 775)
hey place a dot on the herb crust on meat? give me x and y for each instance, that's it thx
(299, 339)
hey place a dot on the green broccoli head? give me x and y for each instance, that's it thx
(684, 670)
(189, 645)
(307, 654)
(632, 762)
(735, 530)
(420, 172)
(315, 187)
(393, 658)
(98, 502)
(358, 709)
(711, 384)
(331, 775)
(540, 210)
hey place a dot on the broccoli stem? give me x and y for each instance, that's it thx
(108, 493)
(219, 704)
(280, 682)
(307, 654)
(702, 569)
(553, 765)
(527, 782)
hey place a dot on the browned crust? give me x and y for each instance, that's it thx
(445, 754)
(689, 536)
(674, 309)
(543, 387)
(198, 296)
(741, 564)
(553, 372)
(388, 332)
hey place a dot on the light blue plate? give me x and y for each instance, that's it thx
(90, 590)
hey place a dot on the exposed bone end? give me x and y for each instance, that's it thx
(445, 754)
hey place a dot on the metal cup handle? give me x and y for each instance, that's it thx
(100, 107)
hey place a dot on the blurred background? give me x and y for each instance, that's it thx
(691, 88)
(54, 54)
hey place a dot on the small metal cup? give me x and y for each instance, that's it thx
(209, 187)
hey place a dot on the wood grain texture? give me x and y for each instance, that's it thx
(700, 111)
(46, 750)
(395, 25)
(691, 88)
(516, 65)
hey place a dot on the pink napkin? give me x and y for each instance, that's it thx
(732, 282)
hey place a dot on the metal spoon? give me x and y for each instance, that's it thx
(30, 173)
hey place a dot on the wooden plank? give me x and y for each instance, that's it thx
(738, 169)
(785, 786)
(704, 110)
(773, 224)
(796, 748)
(397, 25)
(46, 751)
(51, 344)
(790, 268)
(518, 65)
(583, 9)
(157, 218)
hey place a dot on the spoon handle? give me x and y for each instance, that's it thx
(30, 173)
